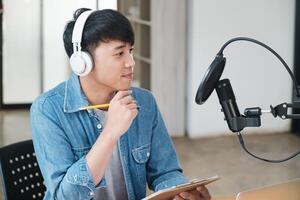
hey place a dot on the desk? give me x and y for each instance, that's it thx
(289, 190)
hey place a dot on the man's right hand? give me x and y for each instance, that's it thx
(122, 111)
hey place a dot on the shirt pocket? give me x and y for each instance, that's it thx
(79, 152)
(141, 156)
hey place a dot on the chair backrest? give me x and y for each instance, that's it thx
(288, 191)
(21, 174)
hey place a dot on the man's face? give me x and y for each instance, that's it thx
(113, 64)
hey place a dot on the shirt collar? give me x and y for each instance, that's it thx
(74, 96)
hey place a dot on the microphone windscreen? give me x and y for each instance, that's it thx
(210, 79)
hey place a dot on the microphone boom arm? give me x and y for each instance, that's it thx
(281, 110)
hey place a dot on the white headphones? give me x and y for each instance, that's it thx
(81, 61)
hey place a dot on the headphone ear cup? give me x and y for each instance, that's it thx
(81, 63)
(88, 60)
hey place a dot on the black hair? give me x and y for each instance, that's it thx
(101, 26)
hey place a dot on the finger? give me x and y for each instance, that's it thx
(134, 101)
(132, 110)
(131, 106)
(197, 195)
(204, 192)
(134, 113)
(187, 195)
(122, 93)
(126, 100)
(177, 198)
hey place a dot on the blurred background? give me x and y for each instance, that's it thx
(176, 40)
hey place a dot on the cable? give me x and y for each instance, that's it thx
(267, 47)
(240, 137)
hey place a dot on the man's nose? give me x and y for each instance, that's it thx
(130, 62)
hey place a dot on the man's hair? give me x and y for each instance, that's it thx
(101, 26)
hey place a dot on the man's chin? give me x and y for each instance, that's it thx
(125, 87)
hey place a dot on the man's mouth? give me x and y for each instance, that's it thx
(129, 76)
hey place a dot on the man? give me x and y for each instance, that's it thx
(110, 153)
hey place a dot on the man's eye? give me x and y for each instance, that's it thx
(131, 50)
(120, 54)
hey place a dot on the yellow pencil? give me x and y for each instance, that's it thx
(95, 106)
(98, 106)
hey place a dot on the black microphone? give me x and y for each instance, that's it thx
(228, 103)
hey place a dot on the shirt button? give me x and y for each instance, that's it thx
(91, 193)
(99, 126)
(148, 154)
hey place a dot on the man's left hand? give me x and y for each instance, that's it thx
(200, 193)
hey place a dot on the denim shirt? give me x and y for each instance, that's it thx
(63, 135)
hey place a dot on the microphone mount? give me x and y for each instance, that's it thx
(236, 122)
(251, 117)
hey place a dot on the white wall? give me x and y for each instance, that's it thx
(257, 77)
(21, 51)
(105, 4)
(34, 59)
(55, 61)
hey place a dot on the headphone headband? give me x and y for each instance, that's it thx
(79, 26)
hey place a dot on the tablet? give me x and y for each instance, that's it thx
(171, 192)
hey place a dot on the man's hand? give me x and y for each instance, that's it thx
(122, 111)
(200, 193)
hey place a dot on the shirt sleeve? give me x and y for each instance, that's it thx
(163, 168)
(64, 176)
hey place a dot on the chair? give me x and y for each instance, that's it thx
(284, 191)
(21, 175)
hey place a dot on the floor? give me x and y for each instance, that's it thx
(239, 171)
(206, 157)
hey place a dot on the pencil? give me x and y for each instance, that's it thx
(98, 106)
(95, 106)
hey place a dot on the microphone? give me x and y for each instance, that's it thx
(227, 99)
(229, 105)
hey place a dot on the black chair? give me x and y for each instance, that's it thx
(22, 179)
